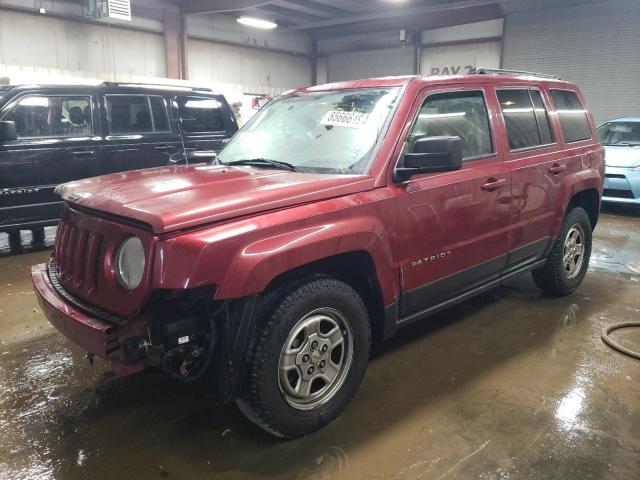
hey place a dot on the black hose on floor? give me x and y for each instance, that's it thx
(616, 346)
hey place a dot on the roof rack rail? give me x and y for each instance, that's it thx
(156, 86)
(499, 71)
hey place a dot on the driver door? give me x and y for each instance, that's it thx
(454, 226)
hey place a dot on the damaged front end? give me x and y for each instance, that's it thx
(182, 332)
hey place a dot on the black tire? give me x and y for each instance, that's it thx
(263, 400)
(37, 236)
(554, 278)
(15, 241)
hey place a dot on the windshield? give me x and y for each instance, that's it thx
(619, 133)
(320, 132)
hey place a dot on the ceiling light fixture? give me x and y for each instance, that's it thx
(257, 22)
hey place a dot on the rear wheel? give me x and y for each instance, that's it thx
(309, 359)
(568, 261)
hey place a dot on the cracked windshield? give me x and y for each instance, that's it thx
(319, 132)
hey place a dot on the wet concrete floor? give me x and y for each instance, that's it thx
(511, 384)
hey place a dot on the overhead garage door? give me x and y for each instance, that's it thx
(459, 59)
(578, 44)
(370, 63)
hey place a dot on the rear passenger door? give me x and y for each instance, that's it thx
(138, 132)
(203, 122)
(544, 149)
(538, 166)
(453, 226)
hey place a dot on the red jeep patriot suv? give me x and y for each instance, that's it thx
(337, 214)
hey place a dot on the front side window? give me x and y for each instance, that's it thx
(620, 133)
(136, 114)
(200, 115)
(457, 114)
(572, 115)
(322, 132)
(54, 116)
(525, 118)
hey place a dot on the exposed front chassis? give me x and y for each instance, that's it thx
(185, 333)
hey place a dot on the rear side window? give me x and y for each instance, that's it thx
(572, 115)
(200, 115)
(525, 117)
(52, 116)
(458, 114)
(136, 114)
(542, 117)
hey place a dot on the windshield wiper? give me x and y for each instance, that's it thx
(262, 161)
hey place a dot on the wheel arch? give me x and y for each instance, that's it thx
(589, 199)
(355, 268)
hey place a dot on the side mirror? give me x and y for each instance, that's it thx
(8, 132)
(430, 154)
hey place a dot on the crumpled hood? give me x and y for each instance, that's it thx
(623, 156)
(177, 197)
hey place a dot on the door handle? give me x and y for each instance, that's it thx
(557, 168)
(83, 153)
(494, 184)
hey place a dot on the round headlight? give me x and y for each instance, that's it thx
(130, 263)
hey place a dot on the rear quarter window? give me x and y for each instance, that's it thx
(572, 115)
(200, 115)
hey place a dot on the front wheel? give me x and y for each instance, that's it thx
(568, 261)
(309, 359)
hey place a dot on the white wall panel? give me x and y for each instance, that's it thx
(370, 63)
(257, 71)
(596, 45)
(468, 31)
(105, 51)
(50, 50)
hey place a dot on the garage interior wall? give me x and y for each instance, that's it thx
(456, 50)
(603, 58)
(444, 51)
(371, 63)
(40, 45)
(51, 50)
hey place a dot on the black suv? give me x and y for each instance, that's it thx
(55, 134)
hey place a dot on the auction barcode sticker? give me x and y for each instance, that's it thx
(345, 119)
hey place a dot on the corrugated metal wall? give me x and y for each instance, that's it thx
(596, 45)
(370, 63)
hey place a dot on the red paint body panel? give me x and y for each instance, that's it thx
(243, 256)
(179, 197)
(238, 228)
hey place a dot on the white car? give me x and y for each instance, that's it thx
(621, 140)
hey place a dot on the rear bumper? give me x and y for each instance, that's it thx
(94, 335)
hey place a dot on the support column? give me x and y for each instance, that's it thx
(417, 52)
(171, 27)
(313, 59)
(184, 45)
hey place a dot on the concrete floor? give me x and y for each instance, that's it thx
(509, 385)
